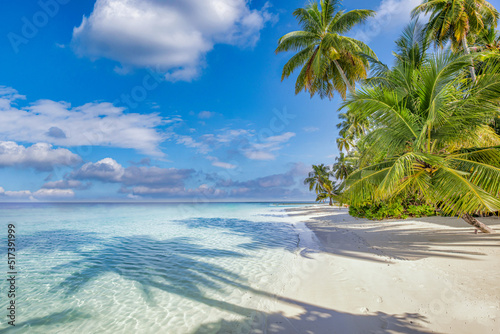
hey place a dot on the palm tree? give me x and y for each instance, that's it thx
(412, 46)
(318, 180)
(457, 21)
(488, 40)
(350, 128)
(329, 191)
(432, 138)
(343, 167)
(330, 61)
(411, 52)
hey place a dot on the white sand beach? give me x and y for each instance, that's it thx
(427, 275)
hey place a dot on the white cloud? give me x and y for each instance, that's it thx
(283, 138)
(190, 142)
(39, 194)
(17, 194)
(107, 170)
(54, 193)
(264, 150)
(224, 165)
(391, 15)
(40, 156)
(259, 155)
(170, 36)
(96, 124)
(243, 141)
(217, 163)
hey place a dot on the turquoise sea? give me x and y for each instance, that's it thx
(145, 268)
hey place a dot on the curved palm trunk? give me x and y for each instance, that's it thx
(477, 224)
(344, 77)
(467, 51)
(331, 201)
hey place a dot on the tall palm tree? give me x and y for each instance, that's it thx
(329, 60)
(411, 52)
(318, 179)
(431, 138)
(456, 21)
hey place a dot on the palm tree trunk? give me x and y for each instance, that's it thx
(467, 51)
(477, 224)
(344, 77)
(331, 201)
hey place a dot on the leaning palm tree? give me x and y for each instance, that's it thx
(330, 191)
(317, 178)
(432, 138)
(329, 60)
(457, 21)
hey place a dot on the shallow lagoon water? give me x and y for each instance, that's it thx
(145, 268)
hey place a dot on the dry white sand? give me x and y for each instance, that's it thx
(428, 275)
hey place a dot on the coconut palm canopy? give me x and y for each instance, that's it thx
(431, 138)
(329, 61)
(456, 20)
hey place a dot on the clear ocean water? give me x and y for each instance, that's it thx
(144, 268)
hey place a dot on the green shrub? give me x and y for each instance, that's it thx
(402, 210)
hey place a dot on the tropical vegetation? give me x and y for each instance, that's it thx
(421, 136)
(329, 60)
(319, 181)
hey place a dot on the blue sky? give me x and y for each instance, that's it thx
(163, 100)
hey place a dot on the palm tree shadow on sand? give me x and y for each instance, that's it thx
(317, 320)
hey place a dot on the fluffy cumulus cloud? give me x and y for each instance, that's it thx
(39, 156)
(391, 15)
(135, 179)
(105, 170)
(170, 36)
(92, 124)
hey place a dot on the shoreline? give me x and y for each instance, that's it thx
(425, 275)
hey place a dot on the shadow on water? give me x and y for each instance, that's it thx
(52, 319)
(58, 241)
(262, 234)
(179, 266)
